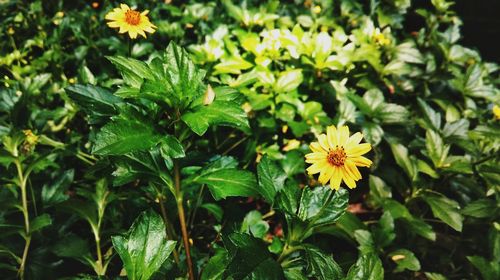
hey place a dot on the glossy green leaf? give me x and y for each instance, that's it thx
(230, 182)
(144, 248)
(367, 267)
(317, 208)
(445, 209)
(405, 259)
(133, 71)
(122, 136)
(321, 265)
(271, 178)
(223, 113)
(250, 259)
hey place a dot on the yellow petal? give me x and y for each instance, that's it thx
(124, 7)
(336, 178)
(325, 175)
(313, 157)
(343, 135)
(358, 150)
(353, 170)
(353, 140)
(317, 167)
(348, 180)
(322, 139)
(331, 133)
(360, 161)
(316, 147)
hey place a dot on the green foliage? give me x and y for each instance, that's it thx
(206, 123)
(145, 247)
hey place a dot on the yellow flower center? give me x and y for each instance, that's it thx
(132, 17)
(337, 156)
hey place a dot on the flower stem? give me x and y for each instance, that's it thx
(24, 200)
(182, 218)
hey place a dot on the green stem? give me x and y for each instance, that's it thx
(100, 265)
(24, 200)
(182, 218)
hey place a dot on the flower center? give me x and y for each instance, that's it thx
(132, 17)
(337, 156)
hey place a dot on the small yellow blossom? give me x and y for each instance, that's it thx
(209, 96)
(336, 157)
(317, 9)
(31, 138)
(380, 38)
(291, 145)
(496, 112)
(11, 31)
(130, 21)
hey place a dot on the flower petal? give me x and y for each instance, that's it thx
(336, 178)
(325, 175)
(353, 140)
(317, 167)
(353, 170)
(331, 133)
(316, 147)
(348, 180)
(360, 161)
(323, 141)
(358, 150)
(343, 135)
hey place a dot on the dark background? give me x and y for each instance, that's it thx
(481, 26)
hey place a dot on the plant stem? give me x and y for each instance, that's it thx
(100, 268)
(182, 218)
(168, 227)
(24, 199)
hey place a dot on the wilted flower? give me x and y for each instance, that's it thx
(336, 157)
(131, 21)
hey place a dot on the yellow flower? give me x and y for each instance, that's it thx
(317, 9)
(336, 157)
(31, 138)
(496, 112)
(131, 21)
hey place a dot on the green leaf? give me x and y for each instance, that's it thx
(55, 192)
(254, 225)
(400, 153)
(373, 133)
(435, 276)
(432, 118)
(379, 190)
(214, 209)
(445, 209)
(489, 270)
(383, 233)
(436, 148)
(225, 113)
(409, 53)
(365, 240)
(481, 208)
(171, 147)
(40, 222)
(144, 248)
(230, 182)
(320, 265)
(183, 79)
(271, 178)
(250, 259)
(390, 113)
(316, 207)
(216, 266)
(367, 267)
(122, 136)
(94, 101)
(405, 259)
(133, 71)
(293, 163)
(288, 199)
(288, 81)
